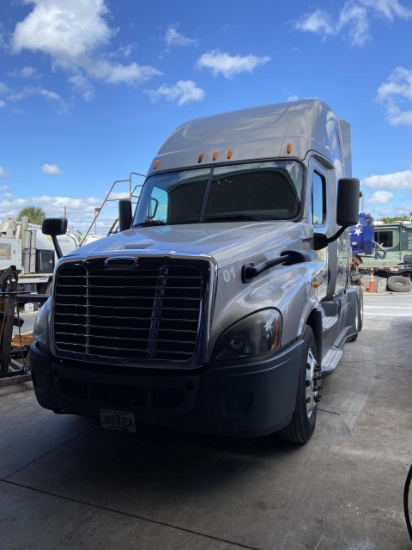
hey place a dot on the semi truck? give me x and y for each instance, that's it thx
(24, 246)
(226, 294)
(384, 250)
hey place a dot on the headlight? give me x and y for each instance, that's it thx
(256, 334)
(41, 324)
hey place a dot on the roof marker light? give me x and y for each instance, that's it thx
(289, 148)
(215, 155)
(156, 164)
(200, 157)
(230, 153)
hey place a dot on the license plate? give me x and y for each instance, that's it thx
(117, 420)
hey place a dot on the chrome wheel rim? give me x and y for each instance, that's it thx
(311, 383)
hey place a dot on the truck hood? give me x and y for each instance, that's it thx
(225, 242)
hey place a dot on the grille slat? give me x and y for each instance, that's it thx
(151, 313)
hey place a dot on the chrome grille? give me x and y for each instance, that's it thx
(145, 312)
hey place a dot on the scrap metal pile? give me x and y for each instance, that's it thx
(13, 349)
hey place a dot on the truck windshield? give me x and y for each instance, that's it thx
(256, 191)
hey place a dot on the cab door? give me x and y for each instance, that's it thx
(318, 217)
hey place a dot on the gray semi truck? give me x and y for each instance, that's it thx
(225, 296)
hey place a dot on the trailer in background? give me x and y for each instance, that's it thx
(23, 245)
(384, 251)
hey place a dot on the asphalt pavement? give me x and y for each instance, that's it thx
(65, 483)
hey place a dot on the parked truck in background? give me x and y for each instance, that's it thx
(33, 253)
(23, 245)
(226, 294)
(384, 250)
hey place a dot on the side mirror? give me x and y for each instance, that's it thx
(347, 208)
(54, 227)
(125, 214)
(347, 211)
(154, 204)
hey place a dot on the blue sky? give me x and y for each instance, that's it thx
(89, 90)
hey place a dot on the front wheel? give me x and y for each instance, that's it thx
(358, 316)
(303, 420)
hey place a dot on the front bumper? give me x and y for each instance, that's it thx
(250, 398)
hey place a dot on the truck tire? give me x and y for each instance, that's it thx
(397, 283)
(303, 420)
(359, 316)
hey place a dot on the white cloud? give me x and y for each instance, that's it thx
(74, 33)
(2, 36)
(380, 197)
(3, 173)
(49, 95)
(126, 51)
(380, 212)
(26, 72)
(79, 211)
(117, 73)
(388, 9)
(174, 38)
(394, 93)
(397, 117)
(397, 180)
(353, 19)
(399, 83)
(318, 22)
(229, 65)
(83, 86)
(182, 92)
(3, 88)
(11, 206)
(51, 169)
(65, 30)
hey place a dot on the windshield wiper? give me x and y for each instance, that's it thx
(232, 217)
(149, 223)
(219, 218)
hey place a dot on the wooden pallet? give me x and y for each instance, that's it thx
(22, 340)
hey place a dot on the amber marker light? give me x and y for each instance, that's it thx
(215, 155)
(156, 164)
(275, 338)
(289, 148)
(315, 284)
(200, 157)
(230, 153)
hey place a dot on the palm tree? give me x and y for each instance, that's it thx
(34, 213)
